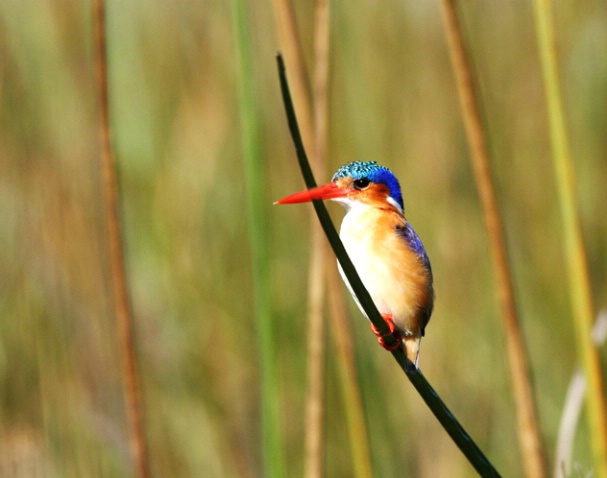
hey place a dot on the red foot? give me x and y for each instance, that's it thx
(398, 338)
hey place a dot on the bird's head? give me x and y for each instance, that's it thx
(356, 183)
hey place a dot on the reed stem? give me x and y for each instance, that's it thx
(122, 305)
(317, 279)
(353, 406)
(461, 438)
(272, 454)
(527, 423)
(575, 253)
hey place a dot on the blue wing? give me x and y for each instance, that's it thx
(407, 232)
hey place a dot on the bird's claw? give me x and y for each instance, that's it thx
(398, 338)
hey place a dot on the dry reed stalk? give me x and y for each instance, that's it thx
(314, 441)
(123, 308)
(294, 59)
(527, 423)
(313, 117)
(289, 41)
(357, 426)
(314, 412)
(322, 44)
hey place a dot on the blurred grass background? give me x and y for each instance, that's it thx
(176, 131)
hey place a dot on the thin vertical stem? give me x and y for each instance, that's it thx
(272, 454)
(314, 446)
(289, 36)
(123, 308)
(322, 43)
(314, 428)
(528, 428)
(314, 130)
(362, 466)
(314, 413)
(575, 253)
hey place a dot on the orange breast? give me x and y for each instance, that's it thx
(392, 272)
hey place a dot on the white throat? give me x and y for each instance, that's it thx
(349, 204)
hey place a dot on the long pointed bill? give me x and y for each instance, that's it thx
(327, 191)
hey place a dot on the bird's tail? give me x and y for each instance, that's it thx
(411, 345)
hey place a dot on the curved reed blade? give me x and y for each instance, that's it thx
(457, 433)
(572, 409)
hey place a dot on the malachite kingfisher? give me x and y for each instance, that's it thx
(384, 248)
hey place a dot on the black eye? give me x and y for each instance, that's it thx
(361, 183)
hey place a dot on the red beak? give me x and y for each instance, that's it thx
(326, 191)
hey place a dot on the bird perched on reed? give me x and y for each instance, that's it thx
(384, 248)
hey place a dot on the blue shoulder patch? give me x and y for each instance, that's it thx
(410, 236)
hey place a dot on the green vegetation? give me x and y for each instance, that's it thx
(176, 120)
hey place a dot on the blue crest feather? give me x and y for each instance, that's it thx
(374, 173)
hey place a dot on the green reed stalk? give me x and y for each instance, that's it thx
(457, 433)
(575, 253)
(272, 455)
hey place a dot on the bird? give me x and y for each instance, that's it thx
(387, 253)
